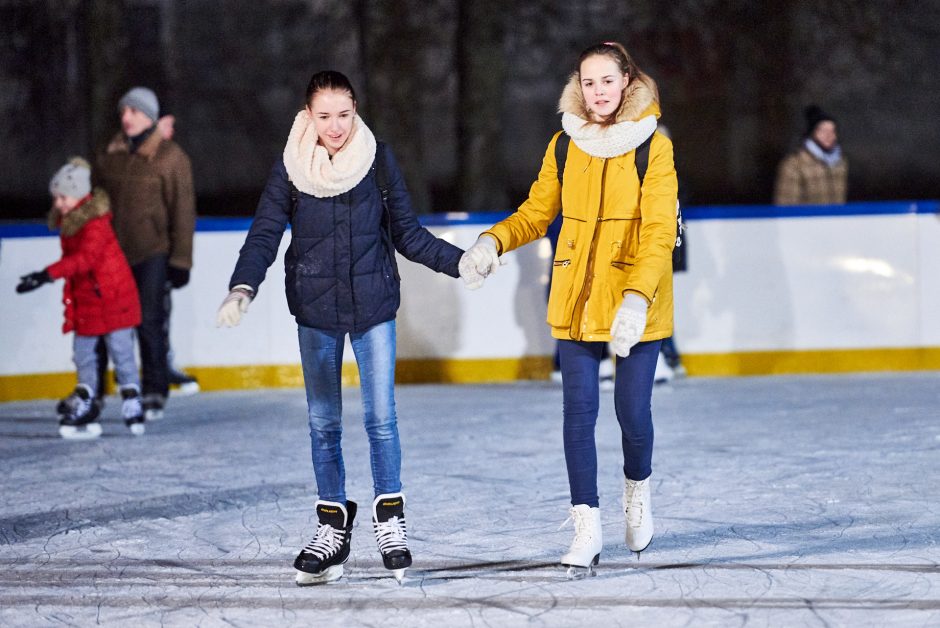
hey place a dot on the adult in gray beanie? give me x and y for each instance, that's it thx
(150, 182)
(144, 100)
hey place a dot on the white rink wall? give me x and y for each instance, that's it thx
(763, 279)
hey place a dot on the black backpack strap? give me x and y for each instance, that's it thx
(642, 158)
(294, 199)
(381, 172)
(382, 182)
(561, 155)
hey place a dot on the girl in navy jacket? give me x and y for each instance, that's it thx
(341, 278)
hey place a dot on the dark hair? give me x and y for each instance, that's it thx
(329, 80)
(615, 51)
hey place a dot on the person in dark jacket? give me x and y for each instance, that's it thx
(100, 298)
(341, 279)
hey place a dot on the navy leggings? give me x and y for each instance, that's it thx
(633, 390)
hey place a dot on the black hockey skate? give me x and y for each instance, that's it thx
(153, 406)
(321, 560)
(79, 421)
(63, 405)
(388, 520)
(132, 410)
(184, 383)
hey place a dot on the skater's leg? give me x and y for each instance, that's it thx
(670, 352)
(120, 344)
(85, 356)
(321, 355)
(151, 286)
(121, 347)
(375, 355)
(579, 367)
(101, 351)
(632, 401)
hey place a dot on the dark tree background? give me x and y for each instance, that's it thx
(466, 91)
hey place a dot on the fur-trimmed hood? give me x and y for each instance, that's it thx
(98, 205)
(636, 118)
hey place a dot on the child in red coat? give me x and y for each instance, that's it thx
(100, 298)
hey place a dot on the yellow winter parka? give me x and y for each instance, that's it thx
(614, 237)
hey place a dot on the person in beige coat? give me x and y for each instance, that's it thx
(816, 173)
(149, 180)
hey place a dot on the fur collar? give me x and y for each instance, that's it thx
(636, 119)
(98, 205)
(308, 163)
(147, 150)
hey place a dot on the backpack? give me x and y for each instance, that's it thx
(381, 181)
(642, 158)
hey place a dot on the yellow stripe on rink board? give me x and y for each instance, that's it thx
(442, 371)
(812, 362)
(56, 385)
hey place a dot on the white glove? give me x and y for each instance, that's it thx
(468, 272)
(629, 324)
(484, 256)
(234, 305)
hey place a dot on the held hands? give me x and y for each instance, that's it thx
(629, 323)
(479, 262)
(30, 282)
(234, 305)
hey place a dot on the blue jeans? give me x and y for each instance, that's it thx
(321, 355)
(633, 391)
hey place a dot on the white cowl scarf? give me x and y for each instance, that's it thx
(611, 141)
(629, 131)
(309, 165)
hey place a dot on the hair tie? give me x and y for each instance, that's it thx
(609, 43)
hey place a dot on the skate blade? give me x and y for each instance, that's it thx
(575, 572)
(137, 429)
(399, 575)
(153, 415)
(87, 432)
(330, 574)
(189, 388)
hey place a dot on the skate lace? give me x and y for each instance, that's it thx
(77, 406)
(391, 535)
(633, 503)
(582, 531)
(325, 542)
(131, 408)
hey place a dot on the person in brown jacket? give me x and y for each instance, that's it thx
(150, 183)
(816, 173)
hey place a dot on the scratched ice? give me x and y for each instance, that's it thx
(778, 501)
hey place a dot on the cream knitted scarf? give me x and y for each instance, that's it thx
(309, 165)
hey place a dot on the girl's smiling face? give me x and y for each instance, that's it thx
(333, 113)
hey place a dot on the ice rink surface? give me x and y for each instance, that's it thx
(778, 501)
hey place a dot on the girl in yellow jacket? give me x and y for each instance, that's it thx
(612, 276)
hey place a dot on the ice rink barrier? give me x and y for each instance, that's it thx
(769, 290)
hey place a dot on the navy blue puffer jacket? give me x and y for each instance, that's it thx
(340, 275)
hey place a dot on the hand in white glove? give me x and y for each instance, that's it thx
(484, 255)
(234, 305)
(468, 272)
(629, 324)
